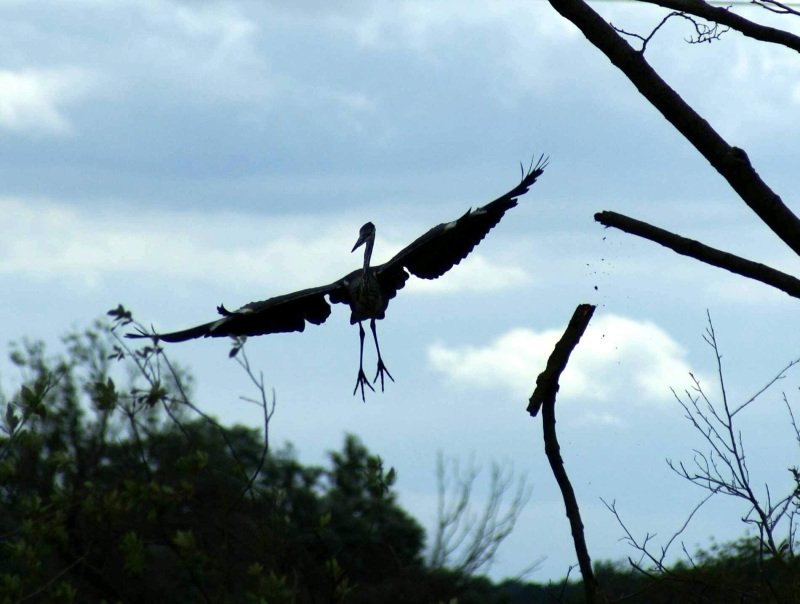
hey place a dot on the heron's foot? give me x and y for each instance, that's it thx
(381, 371)
(362, 381)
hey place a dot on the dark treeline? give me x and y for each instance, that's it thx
(112, 496)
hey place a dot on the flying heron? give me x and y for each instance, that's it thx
(366, 290)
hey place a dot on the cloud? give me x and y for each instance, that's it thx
(281, 253)
(475, 274)
(57, 240)
(32, 100)
(210, 48)
(198, 50)
(619, 362)
(735, 290)
(424, 26)
(519, 41)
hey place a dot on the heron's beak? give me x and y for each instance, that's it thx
(360, 241)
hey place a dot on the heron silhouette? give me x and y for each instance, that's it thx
(366, 290)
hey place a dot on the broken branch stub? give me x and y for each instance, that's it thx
(547, 382)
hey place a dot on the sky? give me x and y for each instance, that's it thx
(173, 155)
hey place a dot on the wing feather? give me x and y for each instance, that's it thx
(445, 245)
(280, 314)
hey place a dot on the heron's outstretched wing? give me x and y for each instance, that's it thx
(280, 314)
(445, 245)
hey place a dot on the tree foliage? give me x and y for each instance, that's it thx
(125, 494)
(113, 488)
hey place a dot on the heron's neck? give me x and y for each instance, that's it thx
(368, 252)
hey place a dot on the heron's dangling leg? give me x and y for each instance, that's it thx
(381, 367)
(361, 380)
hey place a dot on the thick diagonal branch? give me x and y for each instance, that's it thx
(699, 251)
(544, 397)
(723, 16)
(731, 162)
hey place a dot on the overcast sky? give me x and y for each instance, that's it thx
(174, 155)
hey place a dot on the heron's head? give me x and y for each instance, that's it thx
(367, 233)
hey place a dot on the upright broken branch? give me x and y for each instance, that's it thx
(544, 398)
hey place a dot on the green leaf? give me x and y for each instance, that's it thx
(104, 395)
(184, 540)
(27, 397)
(153, 396)
(12, 419)
(121, 315)
(132, 548)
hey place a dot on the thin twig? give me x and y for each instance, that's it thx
(728, 18)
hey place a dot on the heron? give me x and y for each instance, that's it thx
(366, 290)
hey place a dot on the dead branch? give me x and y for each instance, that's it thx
(699, 251)
(544, 397)
(657, 561)
(703, 32)
(645, 39)
(776, 7)
(723, 468)
(547, 382)
(463, 541)
(731, 162)
(723, 16)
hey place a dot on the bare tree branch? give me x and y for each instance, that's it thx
(731, 162)
(544, 397)
(547, 382)
(724, 469)
(645, 39)
(776, 7)
(703, 31)
(462, 541)
(699, 251)
(658, 561)
(723, 16)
